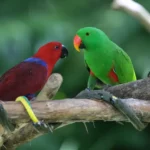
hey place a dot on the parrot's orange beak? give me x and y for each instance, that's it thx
(77, 42)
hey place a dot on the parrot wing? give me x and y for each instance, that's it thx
(123, 66)
(92, 74)
(24, 78)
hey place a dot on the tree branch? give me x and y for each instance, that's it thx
(139, 89)
(77, 110)
(51, 87)
(134, 9)
(84, 107)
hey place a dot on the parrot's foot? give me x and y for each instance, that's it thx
(30, 96)
(40, 125)
(88, 89)
(4, 120)
(124, 108)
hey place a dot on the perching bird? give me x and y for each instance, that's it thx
(28, 77)
(104, 59)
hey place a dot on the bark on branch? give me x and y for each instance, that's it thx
(81, 108)
(77, 110)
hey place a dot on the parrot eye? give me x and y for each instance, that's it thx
(87, 33)
(56, 47)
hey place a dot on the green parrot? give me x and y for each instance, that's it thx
(104, 60)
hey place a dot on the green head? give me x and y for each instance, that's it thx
(89, 38)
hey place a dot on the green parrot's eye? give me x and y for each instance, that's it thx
(87, 33)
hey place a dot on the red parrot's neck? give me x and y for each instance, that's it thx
(50, 61)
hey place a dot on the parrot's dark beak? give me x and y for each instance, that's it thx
(82, 46)
(64, 52)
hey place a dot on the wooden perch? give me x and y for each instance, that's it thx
(81, 108)
(64, 110)
(134, 9)
(77, 110)
(50, 88)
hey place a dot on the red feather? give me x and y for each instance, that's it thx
(113, 76)
(91, 73)
(25, 78)
(29, 77)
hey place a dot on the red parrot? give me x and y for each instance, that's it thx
(29, 76)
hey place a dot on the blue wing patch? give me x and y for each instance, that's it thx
(36, 60)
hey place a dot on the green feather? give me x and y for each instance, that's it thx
(101, 54)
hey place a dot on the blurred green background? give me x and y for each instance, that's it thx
(26, 25)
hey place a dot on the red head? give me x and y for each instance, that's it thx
(51, 52)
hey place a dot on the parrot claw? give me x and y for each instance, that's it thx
(88, 89)
(4, 120)
(107, 97)
(40, 125)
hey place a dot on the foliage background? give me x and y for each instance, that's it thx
(25, 25)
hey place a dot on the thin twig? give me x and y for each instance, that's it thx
(134, 9)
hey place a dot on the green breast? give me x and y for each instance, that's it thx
(100, 64)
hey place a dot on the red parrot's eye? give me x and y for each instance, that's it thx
(56, 47)
(87, 33)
